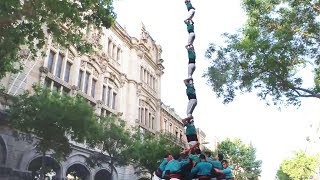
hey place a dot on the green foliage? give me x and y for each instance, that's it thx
(268, 54)
(114, 139)
(53, 119)
(301, 166)
(242, 158)
(281, 175)
(28, 23)
(148, 151)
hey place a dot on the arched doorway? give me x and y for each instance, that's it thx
(51, 168)
(77, 172)
(3, 151)
(103, 175)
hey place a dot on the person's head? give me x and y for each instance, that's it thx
(224, 163)
(197, 151)
(166, 155)
(220, 156)
(202, 157)
(207, 153)
(176, 156)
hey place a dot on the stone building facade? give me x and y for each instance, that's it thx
(123, 79)
(171, 125)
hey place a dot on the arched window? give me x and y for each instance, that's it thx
(78, 172)
(51, 168)
(102, 175)
(87, 79)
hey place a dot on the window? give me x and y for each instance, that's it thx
(109, 96)
(142, 116)
(145, 75)
(114, 100)
(59, 65)
(50, 61)
(110, 47)
(86, 84)
(67, 72)
(93, 87)
(118, 54)
(80, 79)
(165, 125)
(139, 115)
(146, 117)
(141, 73)
(104, 91)
(152, 126)
(55, 86)
(150, 120)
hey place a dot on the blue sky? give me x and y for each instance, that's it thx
(274, 133)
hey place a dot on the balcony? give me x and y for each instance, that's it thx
(174, 138)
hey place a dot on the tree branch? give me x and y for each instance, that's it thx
(310, 93)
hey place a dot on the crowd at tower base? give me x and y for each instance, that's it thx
(192, 163)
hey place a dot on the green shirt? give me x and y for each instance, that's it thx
(190, 89)
(194, 158)
(190, 129)
(189, 5)
(191, 54)
(227, 172)
(190, 26)
(216, 164)
(174, 166)
(202, 168)
(163, 164)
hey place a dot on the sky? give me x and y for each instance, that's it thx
(275, 134)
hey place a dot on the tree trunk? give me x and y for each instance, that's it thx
(151, 175)
(111, 163)
(42, 166)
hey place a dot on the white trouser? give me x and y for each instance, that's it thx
(191, 105)
(191, 38)
(192, 143)
(191, 68)
(191, 13)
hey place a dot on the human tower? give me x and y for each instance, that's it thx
(190, 89)
(192, 163)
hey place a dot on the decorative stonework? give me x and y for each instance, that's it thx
(43, 70)
(83, 64)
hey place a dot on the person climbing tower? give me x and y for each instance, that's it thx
(190, 29)
(191, 93)
(191, 131)
(191, 9)
(192, 62)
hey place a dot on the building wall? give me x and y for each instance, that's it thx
(123, 78)
(171, 124)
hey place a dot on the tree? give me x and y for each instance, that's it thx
(301, 166)
(268, 54)
(53, 120)
(242, 158)
(114, 139)
(27, 24)
(148, 151)
(281, 175)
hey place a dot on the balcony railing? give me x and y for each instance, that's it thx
(172, 137)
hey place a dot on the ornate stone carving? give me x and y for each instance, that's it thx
(105, 80)
(95, 72)
(83, 64)
(43, 70)
(71, 55)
